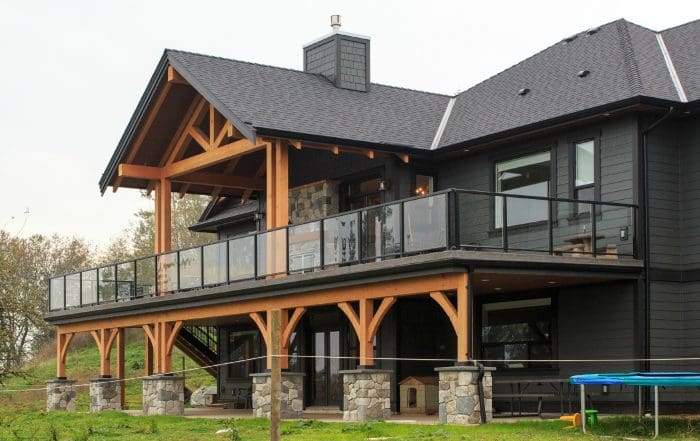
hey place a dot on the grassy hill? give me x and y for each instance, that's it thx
(83, 364)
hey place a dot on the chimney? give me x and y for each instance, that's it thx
(341, 57)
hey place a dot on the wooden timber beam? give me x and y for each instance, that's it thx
(63, 340)
(212, 157)
(174, 77)
(230, 168)
(199, 137)
(332, 296)
(259, 173)
(458, 315)
(221, 180)
(163, 211)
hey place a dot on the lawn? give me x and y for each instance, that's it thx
(22, 416)
(32, 425)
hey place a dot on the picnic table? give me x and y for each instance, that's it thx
(521, 388)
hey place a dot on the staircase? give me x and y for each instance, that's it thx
(200, 343)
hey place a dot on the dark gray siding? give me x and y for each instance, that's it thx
(597, 322)
(689, 143)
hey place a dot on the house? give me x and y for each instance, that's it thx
(548, 213)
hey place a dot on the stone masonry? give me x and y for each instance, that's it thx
(105, 394)
(292, 395)
(164, 395)
(60, 395)
(313, 201)
(366, 394)
(458, 395)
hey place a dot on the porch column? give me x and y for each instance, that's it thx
(161, 336)
(60, 392)
(277, 187)
(104, 338)
(366, 391)
(458, 315)
(163, 393)
(62, 342)
(163, 234)
(121, 341)
(288, 324)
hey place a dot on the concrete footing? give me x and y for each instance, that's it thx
(60, 395)
(366, 394)
(164, 395)
(292, 395)
(458, 395)
(105, 394)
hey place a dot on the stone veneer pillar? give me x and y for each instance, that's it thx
(105, 394)
(60, 395)
(164, 395)
(458, 399)
(292, 395)
(366, 394)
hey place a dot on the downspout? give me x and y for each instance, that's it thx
(647, 250)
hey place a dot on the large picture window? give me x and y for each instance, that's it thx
(527, 175)
(517, 330)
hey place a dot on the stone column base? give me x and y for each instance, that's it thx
(458, 396)
(105, 394)
(291, 399)
(164, 395)
(366, 394)
(60, 395)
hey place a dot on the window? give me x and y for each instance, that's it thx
(517, 330)
(243, 345)
(584, 170)
(527, 175)
(424, 185)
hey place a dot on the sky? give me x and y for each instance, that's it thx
(72, 72)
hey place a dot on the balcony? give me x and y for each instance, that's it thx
(450, 219)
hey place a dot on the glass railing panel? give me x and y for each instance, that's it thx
(272, 253)
(528, 224)
(56, 293)
(73, 290)
(571, 229)
(304, 247)
(214, 256)
(167, 272)
(340, 239)
(191, 268)
(146, 277)
(614, 231)
(475, 222)
(425, 223)
(241, 258)
(125, 281)
(380, 232)
(89, 286)
(107, 283)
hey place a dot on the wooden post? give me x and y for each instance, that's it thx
(163, 235)
(148, 357)
(462, 323)
(121, 337)
(276, 374)
(366, 343)
(62, 343)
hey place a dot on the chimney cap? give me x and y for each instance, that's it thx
(335, 22)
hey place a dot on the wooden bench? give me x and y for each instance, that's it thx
(540, 397)
(575, 250)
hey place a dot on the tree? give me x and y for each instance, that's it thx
(138, 239)
(26, 264)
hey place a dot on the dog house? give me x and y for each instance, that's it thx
(419, 395)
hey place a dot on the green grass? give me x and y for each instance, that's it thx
(112, 426)
(82, 364)
(22, 416)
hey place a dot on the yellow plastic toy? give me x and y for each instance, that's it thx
(574, 419)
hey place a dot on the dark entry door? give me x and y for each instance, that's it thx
(326, 382)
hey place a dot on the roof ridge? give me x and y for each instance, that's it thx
(679, 26)
(531, 57)
(631, 67)
(289, 69)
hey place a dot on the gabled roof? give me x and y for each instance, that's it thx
(624, 62)
(286, 100)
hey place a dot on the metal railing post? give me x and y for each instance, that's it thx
(286, 240)
(155, 275)
(402, 229)
(321, 241)
(80, 292)
(228, 261)
(98, 286)
(255, 256)
(504, 224)
(64, 292)
(594, 228)
(136, 280)
(201, 266)
(116, 285)
(177, 268)
(455, 219)
(549, 227)
(359, 236)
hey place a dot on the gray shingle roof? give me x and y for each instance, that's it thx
(294, 101)
(624, 61)
(683, 44)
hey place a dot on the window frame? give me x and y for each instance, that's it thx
(573, 188)
(553, 295)
(541, 147)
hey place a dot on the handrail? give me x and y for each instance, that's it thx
(441, 230)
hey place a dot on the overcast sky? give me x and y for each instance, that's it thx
(72, 73)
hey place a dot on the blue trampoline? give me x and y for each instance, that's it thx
(641, 379)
